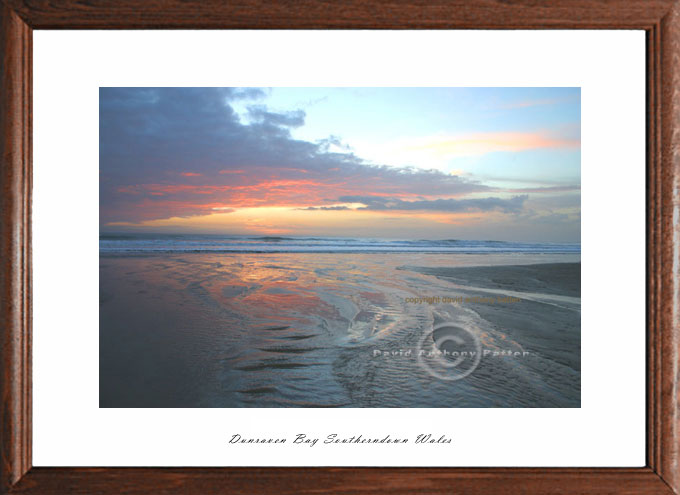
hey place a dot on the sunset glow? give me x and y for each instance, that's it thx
(485, 163)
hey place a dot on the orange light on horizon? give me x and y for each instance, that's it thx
(294, 221)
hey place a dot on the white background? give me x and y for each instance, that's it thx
(69, 67)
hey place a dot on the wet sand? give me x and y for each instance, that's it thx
(325, 330)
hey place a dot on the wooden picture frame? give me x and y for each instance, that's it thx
(661, 21)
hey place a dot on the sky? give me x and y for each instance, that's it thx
(408, 163)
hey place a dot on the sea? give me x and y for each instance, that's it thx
(188, 243)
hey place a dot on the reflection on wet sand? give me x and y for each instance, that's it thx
(300, 329)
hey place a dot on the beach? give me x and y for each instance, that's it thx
(202, 329)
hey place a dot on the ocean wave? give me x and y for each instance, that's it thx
(275, 244)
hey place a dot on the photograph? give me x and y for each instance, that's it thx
(356, 247)
(368, 206)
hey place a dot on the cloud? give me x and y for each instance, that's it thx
(480, 143)
(511, 205)
(260, 114)
(325, 208)
(333, 142)
(311, 102)
(150, 137)
(247, 94)
(547, 189)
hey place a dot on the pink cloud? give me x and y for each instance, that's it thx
(489, 142)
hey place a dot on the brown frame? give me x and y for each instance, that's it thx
(661, 21)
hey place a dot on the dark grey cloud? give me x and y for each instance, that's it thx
(260, 114)
(510, 205)
(556, 201)
(247, 93)
(167, 152)
(324, 208)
